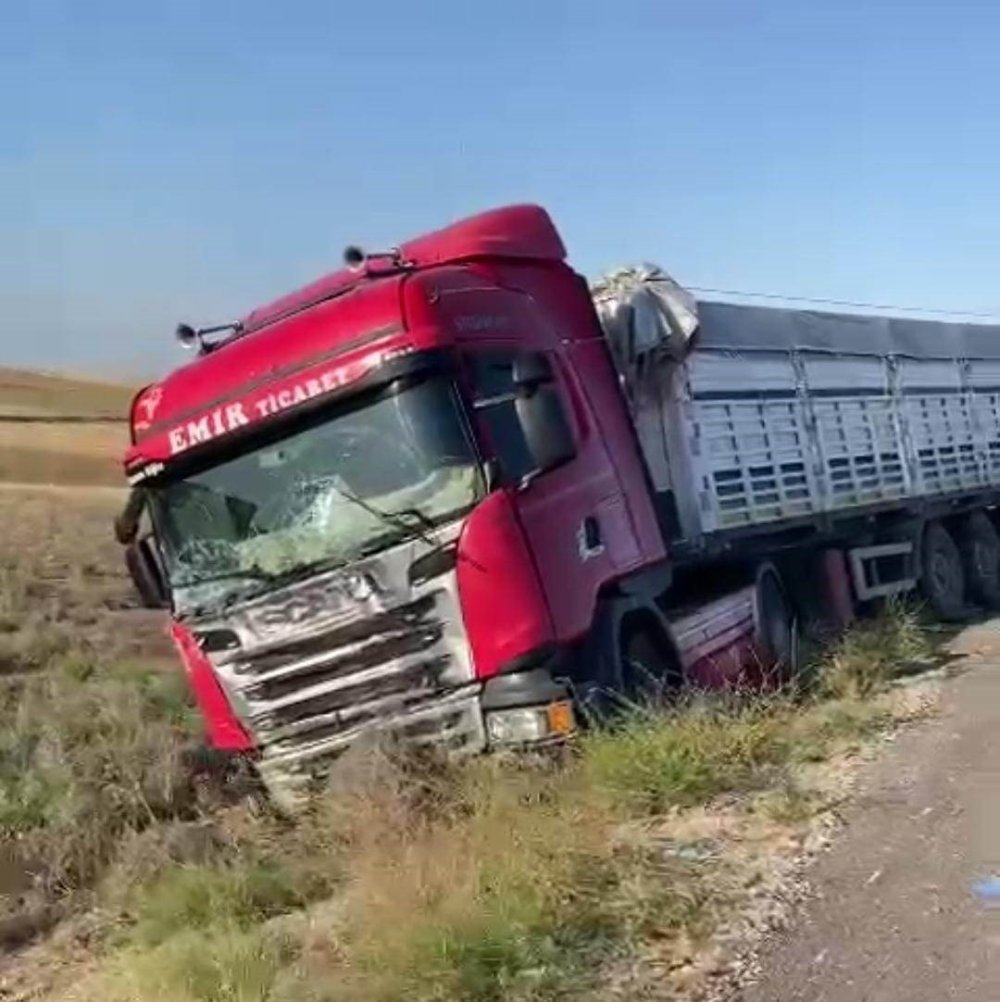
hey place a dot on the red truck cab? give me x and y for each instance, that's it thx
(407, 496)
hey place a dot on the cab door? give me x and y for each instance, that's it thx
(573, 513)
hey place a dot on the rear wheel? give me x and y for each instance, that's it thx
(777, 633)
(980, 548)
(942, 579)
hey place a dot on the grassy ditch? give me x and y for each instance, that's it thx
(421, 880)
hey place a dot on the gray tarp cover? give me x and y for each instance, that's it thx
(735, 327)
(643, 308)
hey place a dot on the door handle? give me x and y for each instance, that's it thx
(590, 542)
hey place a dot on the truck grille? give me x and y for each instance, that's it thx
(316, 687)
(308, 684)
(346, 651)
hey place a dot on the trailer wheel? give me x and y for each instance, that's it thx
(980, 548)
(942, 578)
(777, 629)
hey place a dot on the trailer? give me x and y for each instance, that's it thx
(454, 493)
(858, 452)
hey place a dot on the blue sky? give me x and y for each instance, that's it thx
(187, 160)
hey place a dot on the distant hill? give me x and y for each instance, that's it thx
(33, 394)
(61, 430)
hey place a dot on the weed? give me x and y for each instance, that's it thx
(87, 754)
(240, 893)
(218, 965)
(468, 907)
(788, 803)
(875, 650)
(656, 761)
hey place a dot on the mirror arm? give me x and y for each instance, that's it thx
(491, 475)
(528, 479)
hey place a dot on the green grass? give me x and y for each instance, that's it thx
(873, 652)
(661, 760)
(517, 887)
(222, 964)
(241, 892)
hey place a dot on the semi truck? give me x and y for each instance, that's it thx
(454, 493)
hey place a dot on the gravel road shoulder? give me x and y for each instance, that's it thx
(894, 915)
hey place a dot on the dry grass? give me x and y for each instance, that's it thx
(69, 454)
(515, 885)
(87, 753)
(40, 394)
(40, 451)
(488, 881)
(62, 583)
(862, 661)
(91, 726)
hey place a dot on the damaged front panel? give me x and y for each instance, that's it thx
(311, 667)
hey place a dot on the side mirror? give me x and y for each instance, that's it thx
(143, 565)
(546, 431)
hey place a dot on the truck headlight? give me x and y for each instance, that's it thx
(530, 724)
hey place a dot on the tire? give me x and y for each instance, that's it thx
(776, 633)
(942, 577)
(648, 668)
(980, 548)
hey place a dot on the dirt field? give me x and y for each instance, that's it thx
(40, 395)
(48, 453)
(61, 431)
(62, 580)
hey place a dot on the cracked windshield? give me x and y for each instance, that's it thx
(351, 485)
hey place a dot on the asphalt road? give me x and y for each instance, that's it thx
(896, 916)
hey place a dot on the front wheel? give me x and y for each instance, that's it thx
(649, 672)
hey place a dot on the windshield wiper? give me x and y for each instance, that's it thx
(405, 521)
(217, 605)
(293, 574)
(396, 519)
(425, 522)
(256, 575)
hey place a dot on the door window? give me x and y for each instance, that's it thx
(495, 396)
